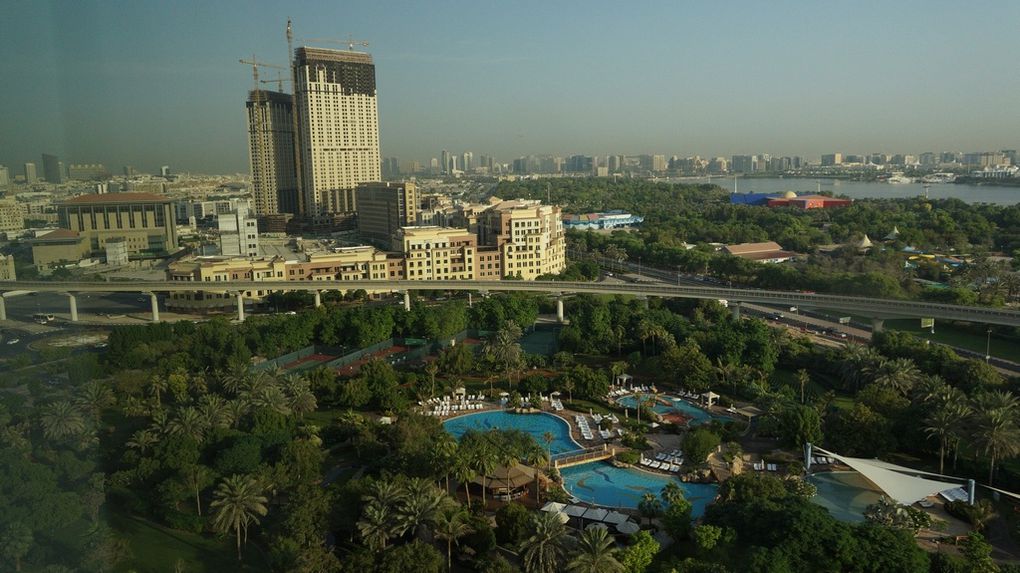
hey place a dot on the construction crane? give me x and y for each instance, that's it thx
(350, 42)
(254, 63)
(278, 81)
(294, 120)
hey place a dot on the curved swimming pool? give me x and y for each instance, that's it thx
(697, 415)
(535, 424)
(604, 484)
(845, 494)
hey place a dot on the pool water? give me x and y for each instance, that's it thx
(535, 424)
(697, 415)
(845, 494)
(604, 484)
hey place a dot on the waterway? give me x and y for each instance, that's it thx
(868, 189)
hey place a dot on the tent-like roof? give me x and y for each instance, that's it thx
(595, 514)
(615, 517)
(627, 527)
(895, 481)
(554, 507)
(507, 477)
(575, 510)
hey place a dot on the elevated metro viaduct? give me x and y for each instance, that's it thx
(878, 309)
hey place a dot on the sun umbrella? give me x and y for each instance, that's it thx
(627, 527)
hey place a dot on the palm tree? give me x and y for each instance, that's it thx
(650, 506)
(549, 438)
(387, 494)
(421, 504)
(568, 385)
(644, 332)
(157, 386)
(196, 477)
(857, 359)
(432, 368)
(504, 349)
(543, 550)
(237, 503)
(189, 422)
(269, 396)
(939, 424)
(237, 380)
(997, 435)
(61, 419)
(484, 461)
(451, 525)
(803, 378)
(596, 553)
(725, 372)
(376, 526)
(302, 402)
(463, 472)
(94, 396)
(899, 374)
(142, 440)
(443, 453)
(236, 410)
(215, 414)
(15, 542)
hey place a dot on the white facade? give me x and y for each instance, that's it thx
(239, 233)
(338, 125)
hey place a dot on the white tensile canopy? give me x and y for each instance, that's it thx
(627, 527)
(615, 517)
(575, 510)
(895, 481)
(596, 514)
(554, 507)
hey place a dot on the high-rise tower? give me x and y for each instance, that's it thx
(271, 152)
(338, 126)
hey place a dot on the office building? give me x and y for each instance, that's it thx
(238, 233)
(658, 163)
(87, 171)
(146, 222)
(338, 127)
(30, 174)
(271, 152)
(53, 168)
(383, 208)
(528, 235)
(466, 160)
(832, 159)
(7, 270)
(743, 163)
(12, 215)
(437, 253)
(5, 176)
(58, 247)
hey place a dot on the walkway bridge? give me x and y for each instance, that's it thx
(587, 455)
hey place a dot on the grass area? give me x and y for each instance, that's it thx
(953, 335)
(157, 549)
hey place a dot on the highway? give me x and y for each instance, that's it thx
(873, 307)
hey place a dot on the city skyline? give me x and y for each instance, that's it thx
(150, 85)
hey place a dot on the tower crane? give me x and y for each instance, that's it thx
(254, 63)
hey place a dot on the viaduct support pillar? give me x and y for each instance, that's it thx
(3, 307)
(407, 300)
(877, 325)
(318, 299)
(735, 310)
(154, 300)
(74, 306)
(469, 299)
(559, 310)
(240, 306)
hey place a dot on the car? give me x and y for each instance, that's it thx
(14, 341)
(290, 312)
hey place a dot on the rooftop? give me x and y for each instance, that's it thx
(116, 198)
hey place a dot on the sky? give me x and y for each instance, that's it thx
(148, 83)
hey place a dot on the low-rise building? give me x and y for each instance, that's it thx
(144, 221)
(221, 270)
(767, 252)
(598, 221)
(60, 246)
(116, 252)
(438, 253)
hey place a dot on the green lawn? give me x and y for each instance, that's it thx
(156, 549)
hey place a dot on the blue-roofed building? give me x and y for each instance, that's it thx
(607, 220)
(759, 199)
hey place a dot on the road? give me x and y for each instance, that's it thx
(799, 319)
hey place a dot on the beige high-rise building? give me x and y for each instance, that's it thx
(271, 152)
(529, 237)
(12, 215)
(385, 207)
(338, 127)
(438, 253)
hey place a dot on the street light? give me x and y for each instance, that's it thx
(988, 345)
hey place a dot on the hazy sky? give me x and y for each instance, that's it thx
(146, 83)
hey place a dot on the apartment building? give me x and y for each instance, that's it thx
(221, 269)
(438, 253)
(528, 235)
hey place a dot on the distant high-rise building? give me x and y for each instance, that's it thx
(658, 163)
(271, 152)
(338, 127)
(434, 166)
(832, 159)
(53, 168)
(391, 167)
(164, 171)
(384, 207)
(87, 171)
(5, 176)
(466, 159)
(444, 161)
(129, 171)
(30, 174)
(742, 163)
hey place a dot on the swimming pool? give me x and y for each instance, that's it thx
(697, 415)
(602, 483)
(845, 494)
(535, 424)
